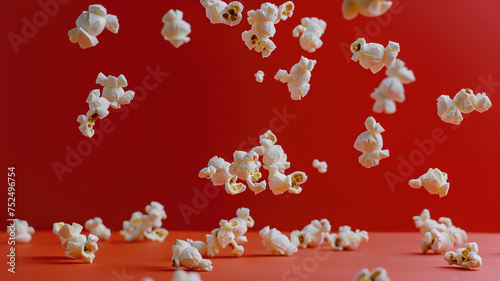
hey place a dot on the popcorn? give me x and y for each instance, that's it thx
(280, 183)
(98, 106)
(434, 182)
(368, 8)
(181, 275)
(69, 233)
(240, 224)
(310, 31)
(141, 225)
(378, 274)
(370, 144)
(259, 76)
(218, 171)
(188, 257)
(426, 224)
(298, 79)
(271, 152)
(465, 101)
(347, 239)
(245, 167)
(23, 231)
(278, 243)
(389, 91)
(113, 90)
(374, 56)
(86, 125)
(262, 21)
(439, 242)
(175, 30)
(313, 234)
(466, 257)
(321, 166)
(83, 250)
(97, 228)
(213, 9)
(90, 24)
(218, 11)
(400, 71)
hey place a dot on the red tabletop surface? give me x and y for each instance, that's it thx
(117, 260)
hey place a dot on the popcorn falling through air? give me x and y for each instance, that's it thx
(368, 8)
(113, 89)
(259, 76)
(175, 30)
(321, 166)
(218, 11)
(370, 144)
(310, 31)
(374, 56)
(465, 101)
(90, 24)
(298, 79)
(434, 182)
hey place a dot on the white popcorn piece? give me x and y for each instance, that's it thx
(90, 24)
(321, 166)
(434, 181)
(98, 106)
(374, 56)
(175, 29)
(245, 167)
(207, 172)
(439, 242)
(231, 14)
(347, 239)
(279, 183)
(285, 11)
(426, 224)
(156, 213)
(97, 228)
(400, 71)
(259, 76)
(309, 32)
(240, 225)
(458, 236)
(181, 275)
(367, 8)
(141, 225)
(370, 143)
(56, 226)
(213, 9)
(186, 256)
(113, 90)
(23, 232)
(464, 101)
(465, 257)
(278, 243)
(158, 234)
(69, 233)
(85, 250)
(389, 91)
(377, 274)
(86, 125)
(217, 170)
(313, 234)
(271, 152)
(298, 79)
(261, 44)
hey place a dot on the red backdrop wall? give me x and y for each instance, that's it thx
(202, 100)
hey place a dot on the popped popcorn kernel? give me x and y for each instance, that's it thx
(90, 24)
(259, 76)
(464, 101)
(378, 274)
(465, 257)
(187, 256)
(278, 243)
(321, 166)
(298, 79)
(97, 228)
(434, 181)
(23, 232)
(175, 29)
(309, 32)
(367, 8)
(374, 56)
(370, 143)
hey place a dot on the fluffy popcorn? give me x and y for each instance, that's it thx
(309, 32)
(69, 233)
(86, 125)
(186, 256)
(321, 166)
(261, 44)
(464, 101)
(466, 257)
(83, 250)
(218, 171)
(23, 231)
(271, 152)
(374, 56)
(434, 181)
(426, 224)
(285, 10)
(439, 242)
(347, 239)
(90, 24)
(313, 234)
(141, 225)
(370, 143)
(240, 225)
(367, 8)
(218, 11)
(213, 9)
(378, 274)
(400, 71)
(245, 167)
(389, 91)
(98, 106)
(175, 30)
(259, 76)
(113, 90)
(280, 183)
(278, 243)
(97, 228)
(298, 79)
(181, 275)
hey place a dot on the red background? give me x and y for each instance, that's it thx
(209, 104)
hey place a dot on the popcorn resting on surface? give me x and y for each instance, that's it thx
(90, 24)
(175, 29)
(278, 243)
(76, 245)
(378, 274)
(374, 56)
(96, 227)
(370, 144)
(141, 225)
(465, 101)
(309, 32)
(22, 230)
(298, 79)
(313, 234)
(465, 257)
(434, 181)
(367, 8)
(347, 239)
(186, 256)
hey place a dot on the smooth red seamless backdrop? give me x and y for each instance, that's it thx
(204, 101)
